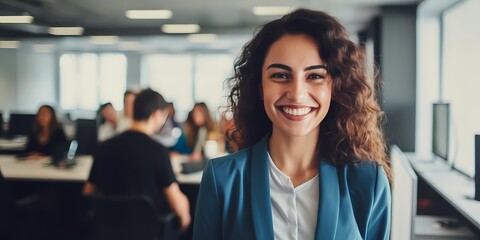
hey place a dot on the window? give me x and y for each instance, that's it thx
(86, 80)
(171, 75)
(210, 74)
(188, 78)
(461, 85)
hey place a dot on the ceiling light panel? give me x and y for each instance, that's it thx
(104, 39)
(9, 44)
(64, 31)
(180, 28)
(271, 11)
(149, 14)
(16, 19)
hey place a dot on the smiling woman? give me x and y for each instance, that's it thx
(312, 163)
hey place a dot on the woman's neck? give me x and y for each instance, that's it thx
(295, 156)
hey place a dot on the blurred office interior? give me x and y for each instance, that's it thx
(418, 53)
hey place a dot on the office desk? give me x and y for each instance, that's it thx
(457, 189)
(37, 170)
(13, 146)
(191, 178)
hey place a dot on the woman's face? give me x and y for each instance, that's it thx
(198, 116)
(297, 88)
(44, 117)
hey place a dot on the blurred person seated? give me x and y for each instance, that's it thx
(132, 163)
(197, 130)
(47, 137)
(109, 123)
(126, 117)
(170, 132)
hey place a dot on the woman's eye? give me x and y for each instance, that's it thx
(279, 75)
(315, 76)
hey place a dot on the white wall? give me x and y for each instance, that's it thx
(35, 78)
(8, 79)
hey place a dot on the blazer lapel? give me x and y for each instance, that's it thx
(328, 204)
(260, 191)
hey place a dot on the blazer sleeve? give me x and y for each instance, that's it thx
(207, 223)
(380, 219)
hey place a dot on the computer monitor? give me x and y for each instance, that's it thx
(86, 135)
(404, 196)
(1, 124)
(440, 130)
(20, 124)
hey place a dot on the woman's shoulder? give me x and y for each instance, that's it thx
(231, 164)
(237, 158)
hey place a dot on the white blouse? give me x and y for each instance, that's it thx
(294, 209)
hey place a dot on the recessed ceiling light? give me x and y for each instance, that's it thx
(271, 11)
(180, 28)
(45, 48)
(9, 44)
(149, 14)
(129, 46)
(104, 39)
(204, 37)
(16, 19)
(66, 30)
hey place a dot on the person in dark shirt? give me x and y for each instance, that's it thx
(47, 137)
(132, 163)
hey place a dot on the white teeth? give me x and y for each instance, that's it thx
(296, 111)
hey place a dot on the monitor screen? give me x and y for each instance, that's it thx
(1, 124)
(404, 196)
(20, 124)
(440, 129)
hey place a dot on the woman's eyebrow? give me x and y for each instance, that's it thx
(278, 65)
(285, 67)
(315, 67)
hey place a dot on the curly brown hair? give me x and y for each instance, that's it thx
(351, 131)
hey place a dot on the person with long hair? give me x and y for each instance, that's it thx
(47, 137)
(312, 162)
(197, 129)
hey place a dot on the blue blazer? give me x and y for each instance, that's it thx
(234, 199)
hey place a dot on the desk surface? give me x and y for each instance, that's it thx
(18, 143)
(37, 170)
(14, 169)
(455, 188)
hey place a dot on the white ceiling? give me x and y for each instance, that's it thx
(228, 18)
(212, 15)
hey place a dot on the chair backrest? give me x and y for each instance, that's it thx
(86, 136)
(123, 217)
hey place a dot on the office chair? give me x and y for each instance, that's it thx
(86, 136)
(127, 218)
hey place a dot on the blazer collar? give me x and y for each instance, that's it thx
(260, 187)
(328, 204)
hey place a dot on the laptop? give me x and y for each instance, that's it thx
(67, 159)
(192, 167)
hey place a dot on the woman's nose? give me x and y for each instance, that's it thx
(297, 90)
